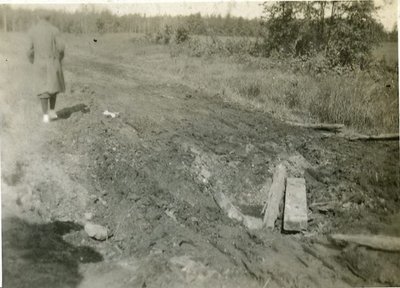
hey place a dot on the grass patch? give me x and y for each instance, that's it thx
(388, 52)
(291, 89)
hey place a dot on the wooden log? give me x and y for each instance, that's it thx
(378, 242)
(319, 126)
(295, 215)
(275, 196)
(226, 205)
(381, 137)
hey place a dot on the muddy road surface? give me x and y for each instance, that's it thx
(149, 176)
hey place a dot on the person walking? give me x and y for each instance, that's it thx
(46, 53)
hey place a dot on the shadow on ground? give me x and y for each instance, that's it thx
(36, 255)
(65, 113)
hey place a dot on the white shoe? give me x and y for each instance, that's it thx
(46, 118)
(53, 115)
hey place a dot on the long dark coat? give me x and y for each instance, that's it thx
(46, 53)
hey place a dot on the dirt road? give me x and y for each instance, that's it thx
(149, 176)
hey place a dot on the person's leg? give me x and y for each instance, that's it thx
(44, 100)
(52, 113)
(45, 105)
(53, 99)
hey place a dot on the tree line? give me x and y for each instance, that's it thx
(87, 20)
(293, 16)
(343, 31)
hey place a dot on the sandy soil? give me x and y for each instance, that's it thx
(149, 176)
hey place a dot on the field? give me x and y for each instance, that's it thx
(188, 127)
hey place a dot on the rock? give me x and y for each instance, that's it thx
(249, 147)
(134, 197)
(346, 205)
(104, 202)
(96, 231)
(194, 219)
(252, 223)
(88, 216)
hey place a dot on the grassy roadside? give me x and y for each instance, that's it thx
(291, 89)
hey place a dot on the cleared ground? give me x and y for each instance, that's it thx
(149, 176)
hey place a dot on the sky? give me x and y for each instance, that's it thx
(387, 14)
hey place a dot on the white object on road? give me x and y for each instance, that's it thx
(46, 118)
(96, 231)
(111, 114)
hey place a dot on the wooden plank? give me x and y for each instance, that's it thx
(295, 215)
(381, 137)
(378, 242)
(275, 196)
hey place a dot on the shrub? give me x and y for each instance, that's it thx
(181, 35)
(250, 90)
(164, 37)
(346, 37)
